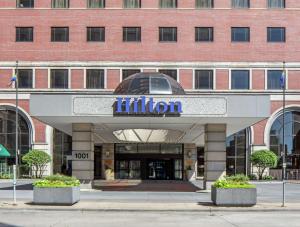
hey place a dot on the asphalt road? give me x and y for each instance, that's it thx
(140, 219)
(267, 193)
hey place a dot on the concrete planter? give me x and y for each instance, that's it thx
(233, 196)
(56, 196)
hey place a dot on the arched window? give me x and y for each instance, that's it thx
(292, 138)
(8, 132)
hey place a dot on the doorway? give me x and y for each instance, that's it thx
(97, 162)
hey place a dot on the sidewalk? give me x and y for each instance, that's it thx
(150, 207)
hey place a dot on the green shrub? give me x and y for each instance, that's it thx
(252, 177)
(38, 160)
(236, 181)
(263, 159)
(57, 181)
(268, 178)
(5, 176)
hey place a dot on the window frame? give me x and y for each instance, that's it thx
(123, 69)
(88, 35)
(18, 5)
(160, 4)
(284, 40)
(177, 72)
(167, 41)
(268, 5)
(18, 35)
(233, 7)
(140, 5)
(55, 41)
(88, 5)
(67, 2)
(138, 35)
(238, 41)
(267, 79)
(213, 77)
(59, 68)
(33, 75)
(104, 78)
(204, 41)
(249, 75)
(212, 5)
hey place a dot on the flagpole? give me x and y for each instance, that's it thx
(17, 134)
(283, 136)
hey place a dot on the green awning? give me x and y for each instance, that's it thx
(3, 151)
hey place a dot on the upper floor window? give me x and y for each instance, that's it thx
(24, 34)
(95, 78)
(204, 3)
(240, 79)
(60, 4)
(240, 3)
(240, 34)
(132, 3)
(59, 34)
(59, 78)
(96, 3)
(25, 3)
(276, 3)
(25, 78)
(204, 34)
(168, 34)
(95, 34)
(204, 79)
(168, 3)
(131, 34)
(128, 72)
(170, 72)
(274, 79)
(276, 34)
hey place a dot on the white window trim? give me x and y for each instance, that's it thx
(214, 79)
(121, 71)
(250, 79)
(286, 78)
(69, 77)
(33, 76)
(166, 68)
(105, 77)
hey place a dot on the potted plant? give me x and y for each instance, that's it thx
(56, 189)
(234, 191)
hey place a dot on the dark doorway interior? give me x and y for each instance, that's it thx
(97, 162)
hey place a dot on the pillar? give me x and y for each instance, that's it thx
(215, 153)
(83, 152)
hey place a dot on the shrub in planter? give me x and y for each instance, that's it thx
(233, 191)
(268, 178)
(56, 189)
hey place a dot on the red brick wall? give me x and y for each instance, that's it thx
(294, 79)
(258, 79)
(222, 79)
(113, 78)
(5, 75)
(41, 78)
(186, 78)
(259, 130)
(77, 78)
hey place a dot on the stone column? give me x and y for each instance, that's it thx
(83, 152)
(215, 153)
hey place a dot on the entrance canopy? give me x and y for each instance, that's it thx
(152, 118)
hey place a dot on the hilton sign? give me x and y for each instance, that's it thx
(146, 106)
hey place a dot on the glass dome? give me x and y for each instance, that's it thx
(149, 84)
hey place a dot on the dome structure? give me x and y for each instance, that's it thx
(149, 84)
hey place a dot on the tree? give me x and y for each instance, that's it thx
(37, 160)
(263, 159)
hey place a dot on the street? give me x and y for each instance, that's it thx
(138, 219)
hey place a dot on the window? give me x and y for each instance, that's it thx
(170, 72)
(132, 3)
(240, 79)
(240, 3)
(24, 34)
(95, 78)
(276, 34)
(59, 34)
(25, 3)
(95, 34)
(240, 34)
(168, 34)
(59, 78)
(274, 79)
(204, 4)
(25, 78)
(200, 161)
(168, 3)
(128, 72)
(204, 34)
(276, 3)
(204, 79)
(131, 34)
(60, 4)
(96, 3)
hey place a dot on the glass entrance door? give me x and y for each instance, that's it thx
(159, 169)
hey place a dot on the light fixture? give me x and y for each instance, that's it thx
(107, 153)
(189, 154)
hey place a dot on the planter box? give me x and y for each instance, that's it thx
(233, 196)
(56, 196)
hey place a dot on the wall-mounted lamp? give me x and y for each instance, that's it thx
(107, 154)
(189, 154)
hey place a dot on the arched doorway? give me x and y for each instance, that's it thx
(8, 136)
(292, 141)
